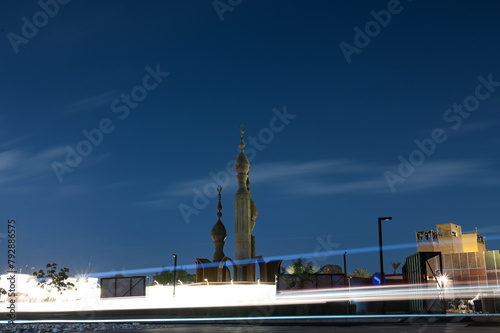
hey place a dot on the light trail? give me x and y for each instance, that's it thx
(203, 296)
(250, 261)
(389, 293)
(154, 270)
(259, 318)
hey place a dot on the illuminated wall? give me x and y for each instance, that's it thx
(450, 238)
(473, 243)
(470, 268)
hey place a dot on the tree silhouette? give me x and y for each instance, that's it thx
(53, 279)
(166, 277)
(299, 273)
(360, 272)
(395, 266)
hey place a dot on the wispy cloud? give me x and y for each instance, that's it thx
(18, 163)
(92, 102)
(11, 142)
(343, 176)
(21, 169)
(266, 173)
(464, 172)
(477, 126)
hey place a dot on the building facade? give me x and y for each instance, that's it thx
(465, 258)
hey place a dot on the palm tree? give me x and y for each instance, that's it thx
(395, 266)
(360, 272)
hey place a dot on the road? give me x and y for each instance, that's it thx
(396, 328)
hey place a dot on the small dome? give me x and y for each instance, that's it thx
(219, 232)
(241, 165)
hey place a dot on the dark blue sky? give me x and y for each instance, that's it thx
(318, 177)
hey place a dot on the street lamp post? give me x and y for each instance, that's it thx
(380, 219)
(345, 269)
(175, 269)
(345, 282)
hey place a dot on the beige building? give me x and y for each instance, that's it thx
(448, 238)
(464, 256)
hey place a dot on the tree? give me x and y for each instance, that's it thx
(300, 266)
(395, 266)
(166, 277)
(360, 272)
(298, 274)
(53, 279)
(2, 292)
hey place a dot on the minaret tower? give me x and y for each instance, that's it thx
(243, 213)
(219, 233)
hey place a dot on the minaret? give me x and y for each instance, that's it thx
(243, 210)
(219, 233)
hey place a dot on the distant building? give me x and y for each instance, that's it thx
(331, 269)
(447, 257)
(465, 258)
(448, 238)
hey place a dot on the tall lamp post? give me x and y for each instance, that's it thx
(345, 282)
(175, 269)
(380, 219)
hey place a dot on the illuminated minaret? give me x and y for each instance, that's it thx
(244, 218)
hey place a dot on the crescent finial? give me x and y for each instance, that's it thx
(242, 143)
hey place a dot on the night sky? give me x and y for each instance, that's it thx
(119, 118)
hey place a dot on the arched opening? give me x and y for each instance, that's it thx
(223, 272)
(203, 270)
(261, 269)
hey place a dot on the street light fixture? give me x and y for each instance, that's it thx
(380, 219)
(345, 282)
(175, 269)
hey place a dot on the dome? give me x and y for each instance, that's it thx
(219, 232)
(242, 165)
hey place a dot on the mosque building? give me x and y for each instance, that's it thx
(245, 263)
